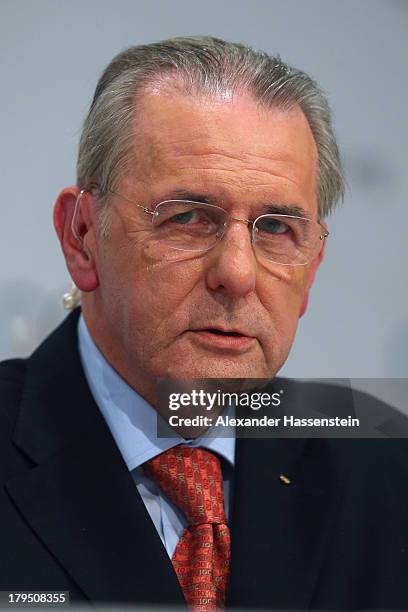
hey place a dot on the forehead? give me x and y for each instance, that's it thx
(226, 144)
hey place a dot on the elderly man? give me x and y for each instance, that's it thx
(194, 234)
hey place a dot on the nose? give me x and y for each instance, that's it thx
(232, 267)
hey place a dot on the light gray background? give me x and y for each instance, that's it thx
(51, 54)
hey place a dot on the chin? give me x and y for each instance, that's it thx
(218, 368)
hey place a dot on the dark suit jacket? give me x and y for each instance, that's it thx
(72, 519)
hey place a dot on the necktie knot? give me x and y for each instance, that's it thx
(192, 480)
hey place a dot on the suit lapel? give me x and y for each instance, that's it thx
(79, 497)
(279, 531)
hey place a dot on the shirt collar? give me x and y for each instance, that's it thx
(131, 420)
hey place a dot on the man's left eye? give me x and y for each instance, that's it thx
(272, 226)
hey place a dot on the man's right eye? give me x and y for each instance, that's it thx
(185, 217)
(193, 219)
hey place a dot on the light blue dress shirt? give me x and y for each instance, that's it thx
(133, 424)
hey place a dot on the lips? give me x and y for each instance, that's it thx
(218, 338)
(221, 332)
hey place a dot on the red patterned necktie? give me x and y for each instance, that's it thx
(191, 478)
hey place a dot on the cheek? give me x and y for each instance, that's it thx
(153, 295)
(282, 290)
(282, 300)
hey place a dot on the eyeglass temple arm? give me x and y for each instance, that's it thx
(74, 217)
(76, 209)
(144, 208)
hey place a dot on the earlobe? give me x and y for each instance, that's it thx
(75, 226)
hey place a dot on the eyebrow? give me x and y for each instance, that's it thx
(267, 208)
(286, 209)
(193, 196)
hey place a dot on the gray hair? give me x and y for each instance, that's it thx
(205, 65)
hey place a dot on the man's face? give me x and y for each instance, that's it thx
(162, 316)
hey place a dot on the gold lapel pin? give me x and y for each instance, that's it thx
(284, 479)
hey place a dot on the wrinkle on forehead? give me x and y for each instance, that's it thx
(179, 135)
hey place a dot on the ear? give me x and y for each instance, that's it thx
(312, 273)
(76, 226)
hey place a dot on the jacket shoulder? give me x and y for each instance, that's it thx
(12, 376)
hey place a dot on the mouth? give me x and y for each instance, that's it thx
(220, 332)
(226, 339)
